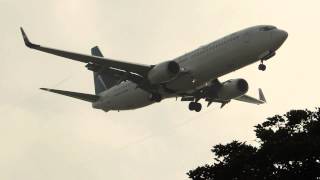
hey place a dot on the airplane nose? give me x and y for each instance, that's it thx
(279, 37)
(284, 34)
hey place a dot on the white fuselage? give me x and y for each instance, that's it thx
(199, 67)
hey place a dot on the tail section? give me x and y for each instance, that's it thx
(102, 80)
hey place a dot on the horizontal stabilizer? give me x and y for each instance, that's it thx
(81, 96)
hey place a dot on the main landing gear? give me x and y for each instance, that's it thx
(194, 106)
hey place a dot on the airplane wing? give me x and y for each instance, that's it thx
(248, 99)
(126, 66)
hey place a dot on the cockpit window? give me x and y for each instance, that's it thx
(267, 28)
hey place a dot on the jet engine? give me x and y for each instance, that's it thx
(164, 72)
(232, 89)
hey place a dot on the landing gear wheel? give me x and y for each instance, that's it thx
(262, 67)
(198, 107)
(193, 106)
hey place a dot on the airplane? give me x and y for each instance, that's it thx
(121, 85)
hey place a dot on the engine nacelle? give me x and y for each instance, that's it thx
(232, 89)
(164, 72)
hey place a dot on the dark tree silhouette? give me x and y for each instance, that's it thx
(289, 149)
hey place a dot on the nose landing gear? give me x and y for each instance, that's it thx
(194, 106)
(270, 54)
(262, 67)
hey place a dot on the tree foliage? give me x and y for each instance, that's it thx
(289, 148)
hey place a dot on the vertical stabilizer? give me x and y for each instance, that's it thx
(95, 51)
(102, 80)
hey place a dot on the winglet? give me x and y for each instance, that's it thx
(26, 40)
(261, 96)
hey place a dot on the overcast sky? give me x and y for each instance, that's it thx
(45, 136)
